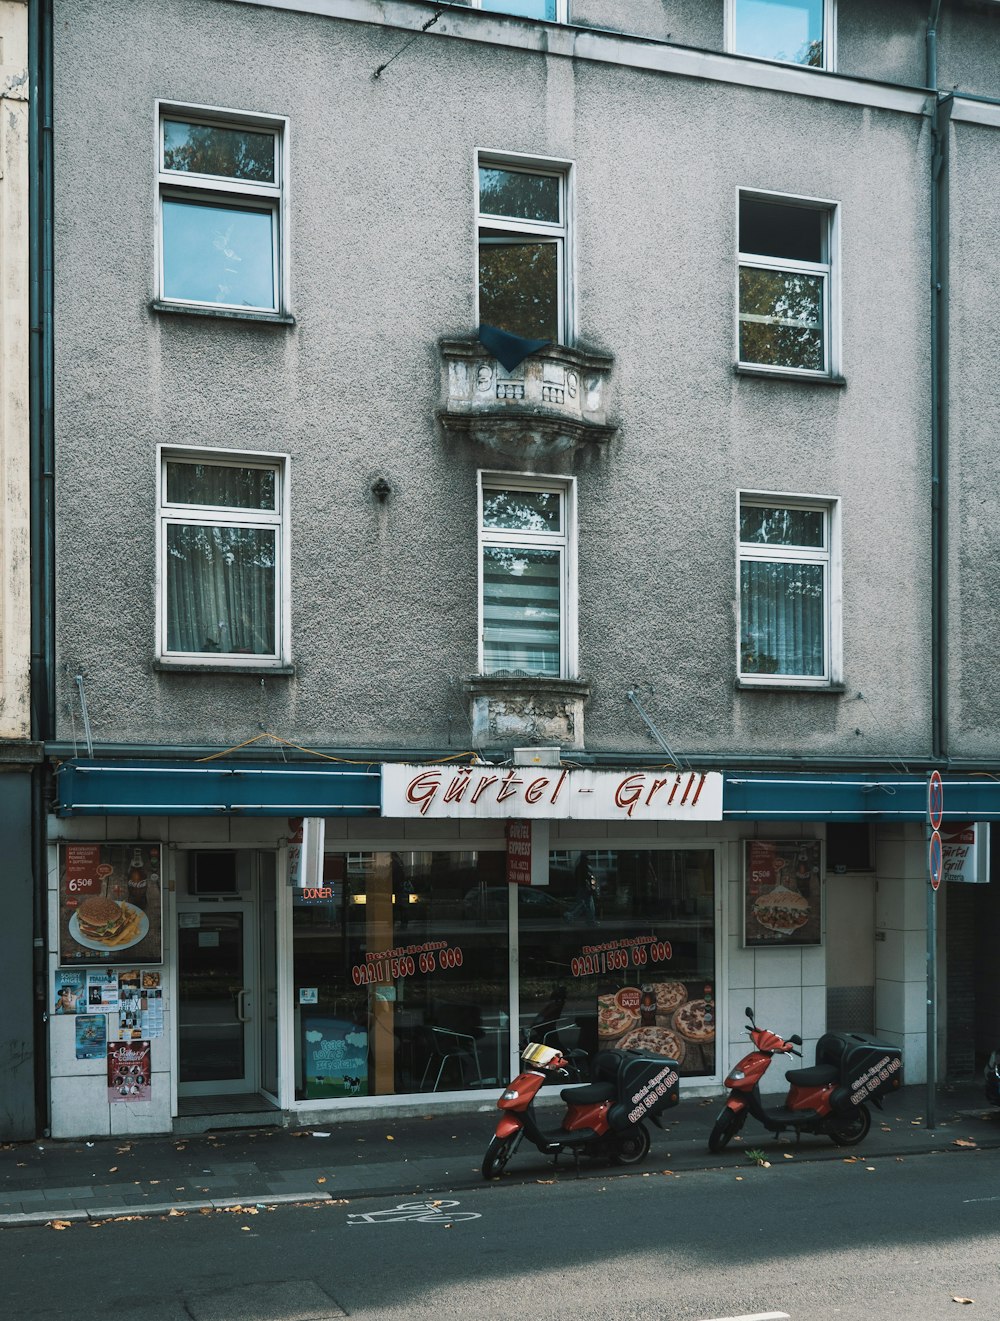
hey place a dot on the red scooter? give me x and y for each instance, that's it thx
(828, 1099)
(603, 1118)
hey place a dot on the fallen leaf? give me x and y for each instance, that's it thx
(963, 1142)
(59, 1224)
(321, 1179)
(963, 1300)
(871, 1168)
(389, 1138)
(113, 1170)
(154, 1181)
(174, 1212)
(245, 1229)
(739, 1178)
(788, 1156)
(545, 1181)
(850, 1160)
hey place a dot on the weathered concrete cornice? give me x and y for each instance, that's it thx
(553, 401)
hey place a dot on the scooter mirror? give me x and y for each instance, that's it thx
(749, 1013)
(796, 1040)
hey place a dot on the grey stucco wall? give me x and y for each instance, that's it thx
(974, 425)
(384, 597)
(699, 23)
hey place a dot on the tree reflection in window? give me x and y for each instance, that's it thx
(227, 152)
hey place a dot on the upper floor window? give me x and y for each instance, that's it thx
(789, 589)
(552, 11)
(221, 221)
(527, 576)
(523, 235)
(223, 558)
(785, 272)
(789, 31)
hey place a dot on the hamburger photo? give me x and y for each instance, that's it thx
(782, 909)
(101, 919)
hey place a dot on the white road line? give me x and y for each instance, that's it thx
(757, 1316)
(967, 1200)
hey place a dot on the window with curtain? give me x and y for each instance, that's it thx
(785, 591)
(524, 545)
(221, 547)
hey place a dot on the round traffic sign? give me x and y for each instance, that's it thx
(935, 800)
(935, 862)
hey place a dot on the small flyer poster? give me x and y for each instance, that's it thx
(69, 993)
(151, 1003)
(129, 1005)
(102, 990)
(129, 1070)
(91, 1036)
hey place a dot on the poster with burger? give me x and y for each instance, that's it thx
(781, 893)
(109, 903)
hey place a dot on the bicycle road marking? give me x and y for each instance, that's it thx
(431, 1212)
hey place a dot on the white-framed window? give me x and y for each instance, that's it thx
(222, 579)
(786, 31)
(524, 261)
(222, 209)
(551, 11)
(789, 589)
(786, 291)
(527, 575)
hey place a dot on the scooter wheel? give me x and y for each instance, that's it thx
(631, 1146)
(726, 1127)
(852, 1130)
(498, 1153)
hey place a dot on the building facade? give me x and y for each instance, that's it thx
(497, 417)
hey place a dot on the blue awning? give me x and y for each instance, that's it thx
(806, 796)
(216, 788)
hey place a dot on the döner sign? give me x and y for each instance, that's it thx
(501, 792)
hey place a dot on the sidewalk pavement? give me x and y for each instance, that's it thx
(47, 1180)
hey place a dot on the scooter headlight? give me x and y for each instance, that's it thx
(510, 1095)
(738, 1075)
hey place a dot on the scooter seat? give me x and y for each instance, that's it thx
(820, 1075)
(591, 1093)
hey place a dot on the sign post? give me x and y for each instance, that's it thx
(935, 867)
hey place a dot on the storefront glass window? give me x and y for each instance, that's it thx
(625, 956)
(401, 971)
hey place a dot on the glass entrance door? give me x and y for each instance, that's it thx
(217, 1000)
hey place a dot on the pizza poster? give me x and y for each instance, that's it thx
(675, 1019)
(782, 898)
(110, 903)
(129, 1071)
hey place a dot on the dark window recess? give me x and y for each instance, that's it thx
(213, 873)
(849, 846)
(775, 229)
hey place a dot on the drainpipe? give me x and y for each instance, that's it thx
(40, 367)
(939, 142)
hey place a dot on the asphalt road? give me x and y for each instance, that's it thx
(876, 1238)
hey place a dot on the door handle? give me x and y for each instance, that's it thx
(241, 1005)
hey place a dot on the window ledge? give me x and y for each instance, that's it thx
(779, 374)
(225, 313)
(234, 667)
(769, 686)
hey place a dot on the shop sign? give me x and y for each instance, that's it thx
(519, 852)
(965, 852)
(499, 793)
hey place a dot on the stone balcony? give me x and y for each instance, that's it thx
(523, 711)
(552, 402)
